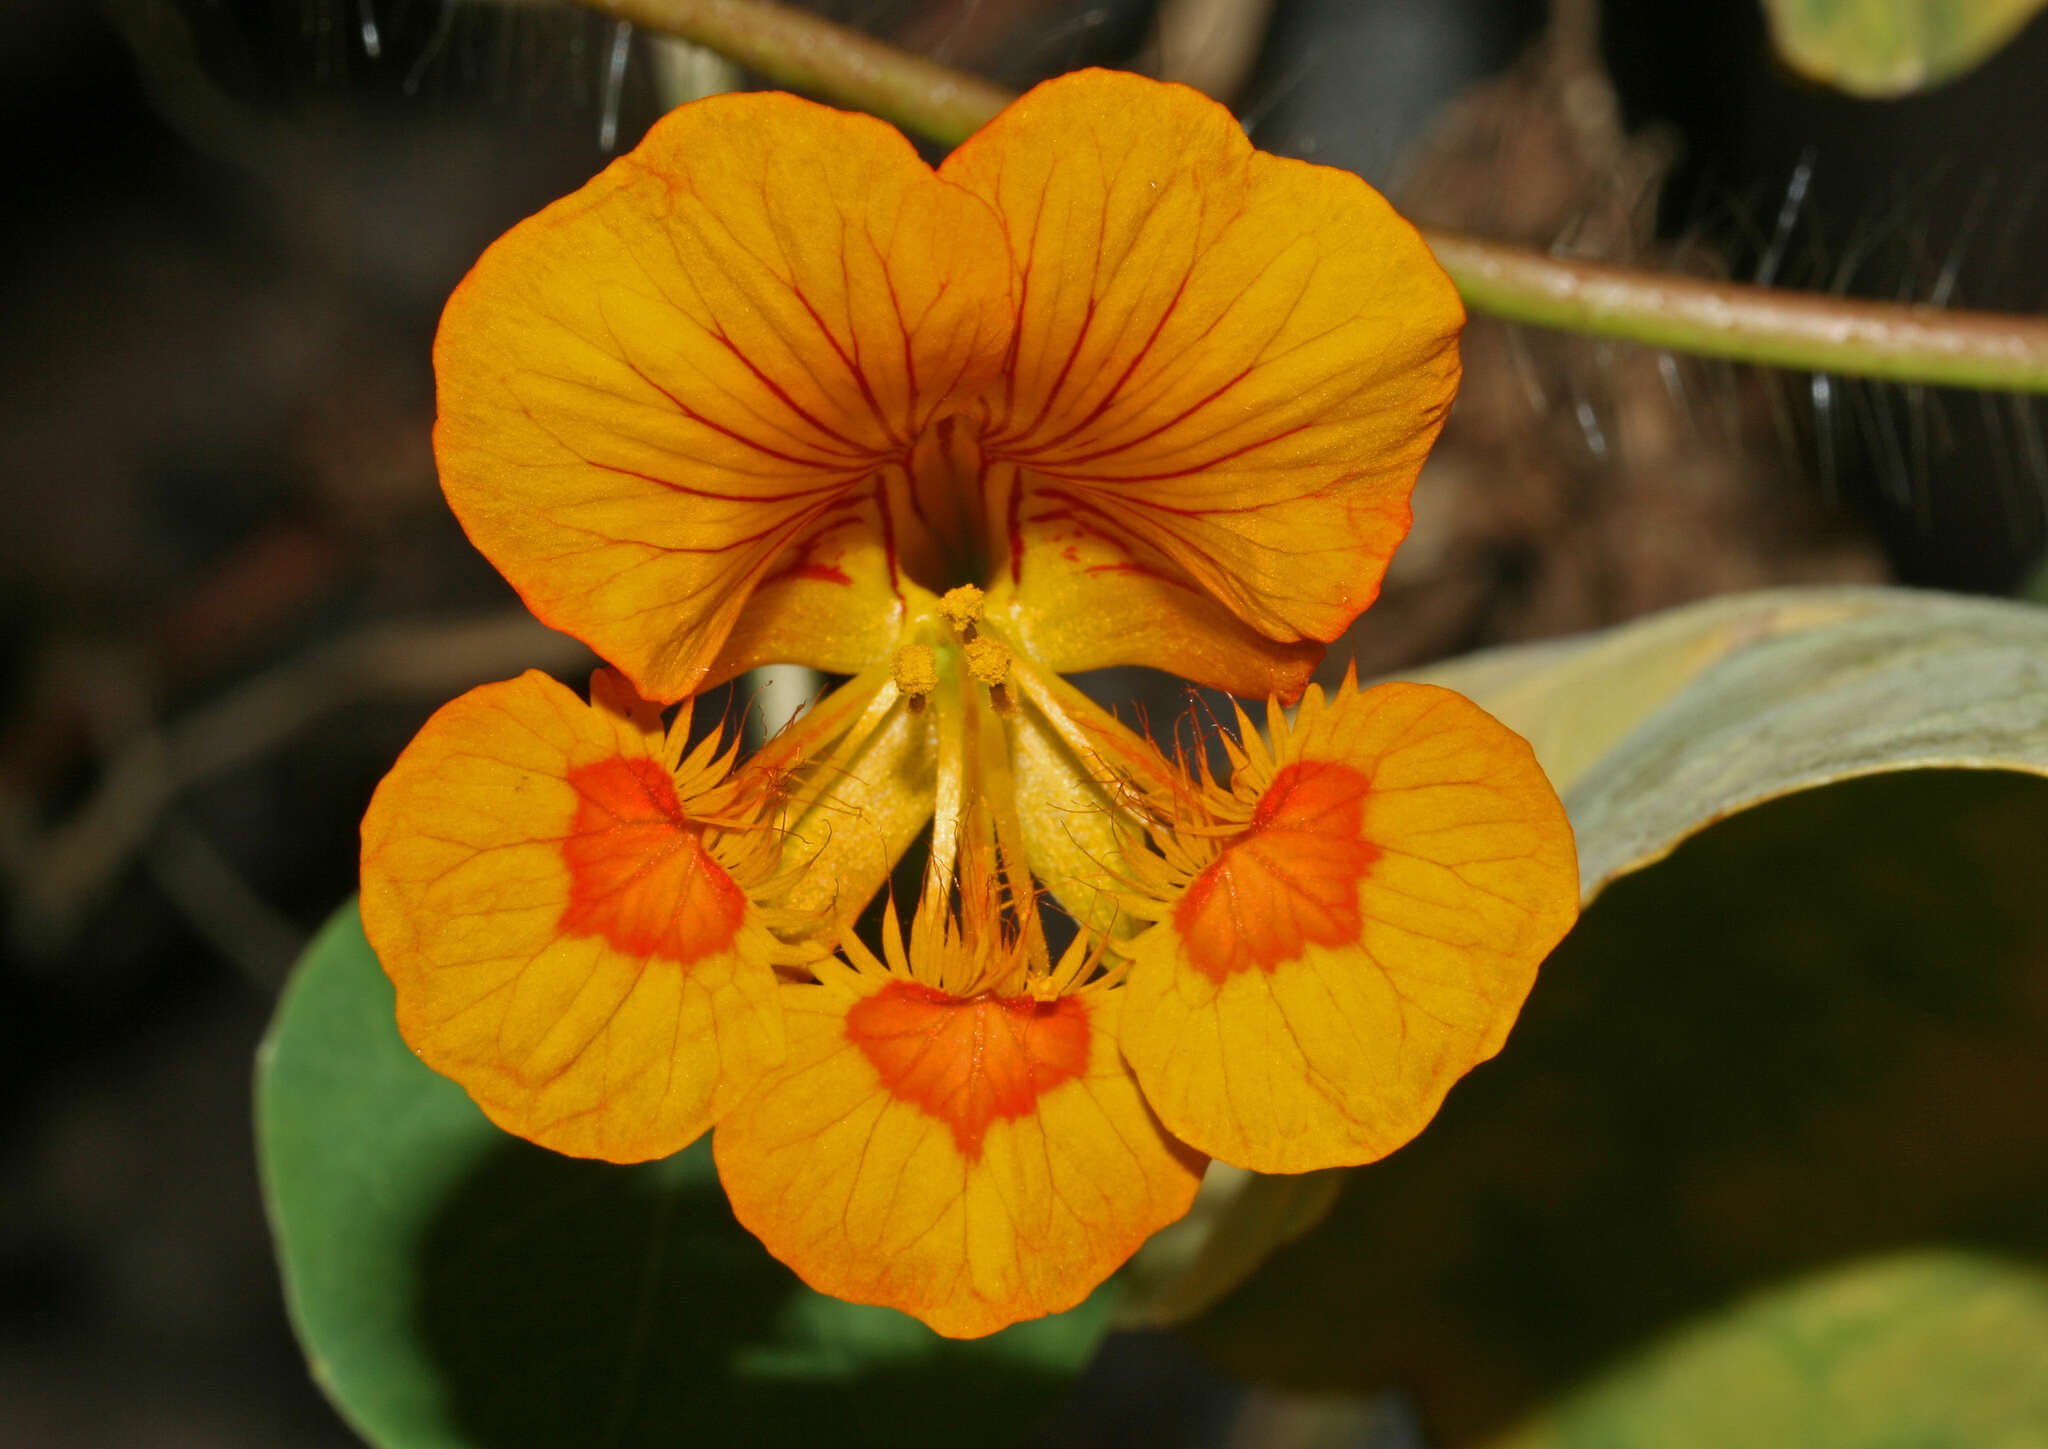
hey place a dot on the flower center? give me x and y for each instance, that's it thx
(1288, 881)
(969, 1061)
(951, 528)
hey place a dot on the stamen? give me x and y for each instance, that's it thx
(915, 670)
(988, 660)
(962, 607)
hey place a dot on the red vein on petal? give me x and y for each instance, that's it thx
(735, 434)
(851, 363)
(1059, 471)
(1129, 443)
(1060, 381)
(1116, 388)
(709, 495)
(782, 395)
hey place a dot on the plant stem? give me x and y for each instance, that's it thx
(1770, 326)
(805, 52)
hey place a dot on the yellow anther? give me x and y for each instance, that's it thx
(915, 670)
(988, 660)
(961, 606)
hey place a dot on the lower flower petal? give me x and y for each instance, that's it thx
(561, 941)
(973, 1163)
(1367, 939)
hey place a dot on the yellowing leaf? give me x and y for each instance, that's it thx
(1938, 1350)
(1881, 48)
(1655, 730)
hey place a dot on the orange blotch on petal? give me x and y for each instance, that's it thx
(1290, 880)
(1406, 869)
(639, 875)
(969, 1062)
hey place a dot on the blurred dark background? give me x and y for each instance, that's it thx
(231, 591)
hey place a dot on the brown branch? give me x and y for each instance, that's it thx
(59, 873)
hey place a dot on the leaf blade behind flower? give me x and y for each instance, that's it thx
(455, 1288)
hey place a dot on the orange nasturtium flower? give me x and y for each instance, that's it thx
(1107, 387)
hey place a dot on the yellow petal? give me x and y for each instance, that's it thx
(1367, 938)
(561, 941)
(701, 376)
(860, 806)
(1088, 593)
(1227, 370)
(970, 1162)
(1066, 810)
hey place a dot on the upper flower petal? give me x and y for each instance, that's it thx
(692, 379)
(562, 942)
(1089, 593)
(1365, 939)
(972, 1162)
(1225, 361)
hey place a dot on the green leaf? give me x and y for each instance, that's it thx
(455, 1288)
(1657, 729)
(1932, 1350)
(1882, 48)
(1814, 1033)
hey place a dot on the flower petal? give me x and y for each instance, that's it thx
(1365, 941)
(970, 1162)
(693, 377)
(561, 942)
(1065, 808)
(860, 806)
(1090, 593)
(1230, 361)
